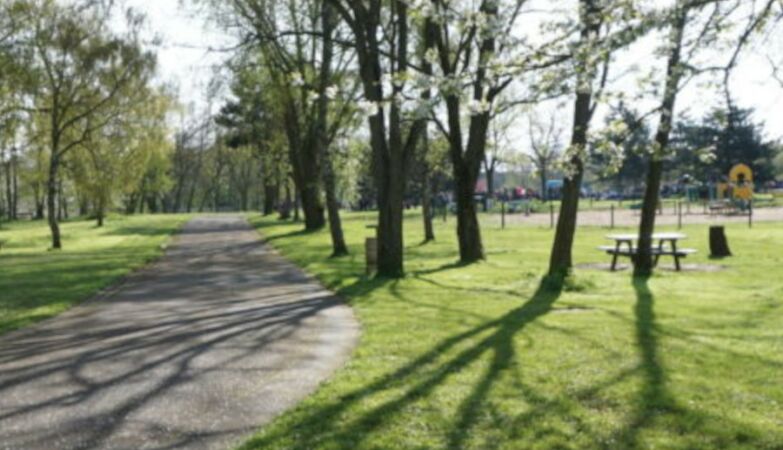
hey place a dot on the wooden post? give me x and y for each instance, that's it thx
(750, 214)
(503, 214)
(551, 215)
(611, 223)
(679, 215)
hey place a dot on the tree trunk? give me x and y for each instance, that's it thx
(310, 200)
(471, 248)
(426, 205)
(8, 190)
(561, 262)
(643, 262)
(297, 197)
(285, 208)
(99, 214)
(51, 202)
(390, 215)
(339, 248)
(15, 185)
(544, 175)
(40, 206)
(270, 198)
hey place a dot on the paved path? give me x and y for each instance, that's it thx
(194, 352)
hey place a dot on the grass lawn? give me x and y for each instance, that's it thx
(36, 284)
(483, 357)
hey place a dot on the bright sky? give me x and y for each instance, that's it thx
(185, 59)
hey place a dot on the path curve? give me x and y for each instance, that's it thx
(197, 351)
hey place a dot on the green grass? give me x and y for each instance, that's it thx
(483, 357)
(36, 283)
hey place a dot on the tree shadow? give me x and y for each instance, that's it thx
(442, 268)
(289, 235)
(654, 398)
(421, 377)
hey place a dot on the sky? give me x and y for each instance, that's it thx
(190, 50)
(185, 59)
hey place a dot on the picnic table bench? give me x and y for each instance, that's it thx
(624, 246)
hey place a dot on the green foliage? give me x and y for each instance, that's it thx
(482, 356)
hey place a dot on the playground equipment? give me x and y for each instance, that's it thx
(739, 186)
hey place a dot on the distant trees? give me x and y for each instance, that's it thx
(741, 142)
(545, 147)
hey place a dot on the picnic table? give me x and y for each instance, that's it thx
(624, 246)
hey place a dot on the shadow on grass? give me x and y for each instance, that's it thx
(289, 235)
(656, 408)
(324, 424)
(653, 399)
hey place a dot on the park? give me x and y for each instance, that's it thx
(387, 224)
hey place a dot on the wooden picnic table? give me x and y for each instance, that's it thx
(624, 246)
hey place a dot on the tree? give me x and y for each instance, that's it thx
(475, 55)
(590, 27)
(82, 69)
(679, 56)
(382, 39)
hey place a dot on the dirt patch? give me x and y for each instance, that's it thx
(709, 268)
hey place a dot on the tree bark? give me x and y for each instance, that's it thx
(643, 262)
(471, 248)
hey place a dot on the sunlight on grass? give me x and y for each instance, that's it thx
(36, 283)
(483, 357)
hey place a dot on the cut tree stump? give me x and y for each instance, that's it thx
(719, 245)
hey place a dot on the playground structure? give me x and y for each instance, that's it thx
(740, 186)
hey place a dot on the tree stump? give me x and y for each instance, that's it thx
(719, 245)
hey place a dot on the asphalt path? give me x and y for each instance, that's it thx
(196, 351)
